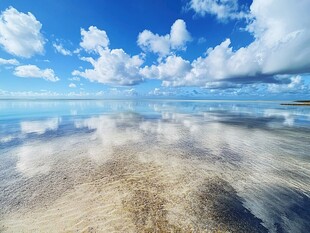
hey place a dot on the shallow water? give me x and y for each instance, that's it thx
(154, 166)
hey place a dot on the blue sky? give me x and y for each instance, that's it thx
(212, 49)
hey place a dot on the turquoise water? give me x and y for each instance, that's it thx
(236, 166)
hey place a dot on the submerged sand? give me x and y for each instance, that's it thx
(126, 195)
(127, 174)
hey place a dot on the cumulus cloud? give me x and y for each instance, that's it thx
(94, 39)
(60, 49)
(295, 83)
(281, 29)
(162, 45)
(113, 66)
(72, 85)
(130, 92)
(13, 62)
(282, 32)
(171, 68)
(156, 91)
(32, 71)
(165, 92)
(281, 44)
(20, 33)
(221, 9)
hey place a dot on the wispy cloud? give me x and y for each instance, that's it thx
(13, 62)
(60, 49)
(223, 10)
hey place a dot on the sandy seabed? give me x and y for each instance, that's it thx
(131, 175)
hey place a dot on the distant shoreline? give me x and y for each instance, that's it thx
(298, 103)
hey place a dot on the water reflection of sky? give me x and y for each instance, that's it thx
(19, 118)
(260, 148)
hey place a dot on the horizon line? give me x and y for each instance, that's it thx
(135, 99)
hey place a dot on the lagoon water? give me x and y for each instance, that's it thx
(154, 166)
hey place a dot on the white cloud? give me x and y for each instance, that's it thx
(114, 91)
(162, 45)
(60, 49)
(296, 83)
(20, 33)
(172, 68)
(72, 85)
(114, 66)
(202, 40)
(154, 42)
(281, 29)
(221, 9)
(130, 92)
(43, 93)
(282, 32)
(80, 94)
(179, 35)
(165, 92)
(32, 71)
(100, 93)
(13, 62)
(94, 39)
(281, 44)
(77, 79)
(220, 64)
(156, 91)
(51, 94)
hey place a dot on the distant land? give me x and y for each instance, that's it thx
(298, 103)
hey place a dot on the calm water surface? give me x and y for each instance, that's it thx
(154, 166)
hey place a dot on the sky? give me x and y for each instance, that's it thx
(187, 49)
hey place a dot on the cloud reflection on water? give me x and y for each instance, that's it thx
(34, 159)
(109, 132)
(258, 163)
(39, 127)
(268, 167)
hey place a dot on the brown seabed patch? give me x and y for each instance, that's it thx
(218, 207)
